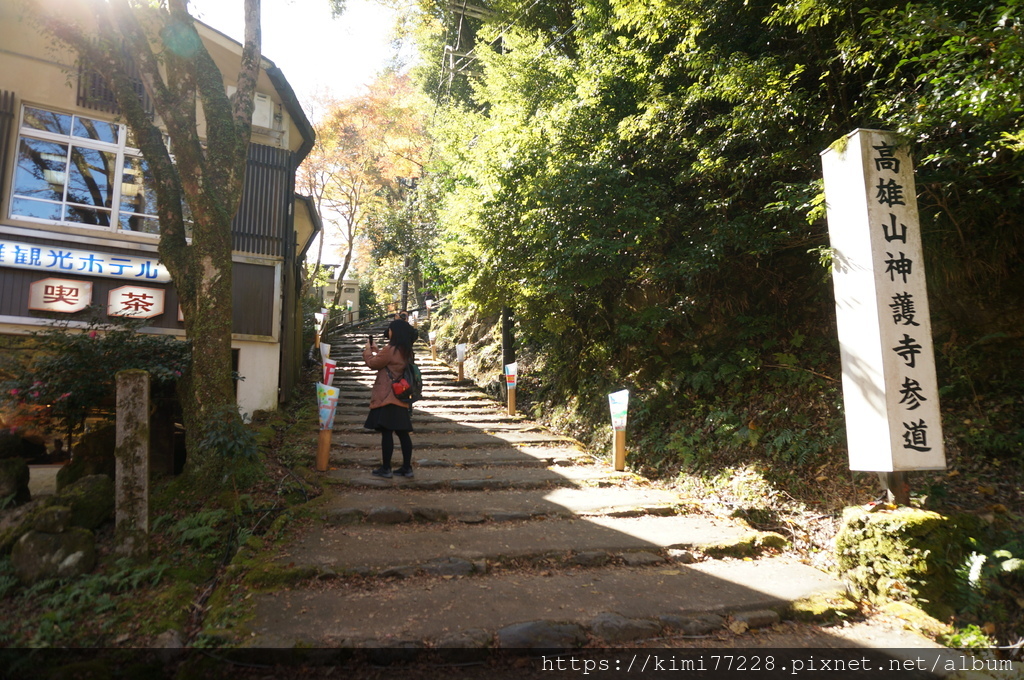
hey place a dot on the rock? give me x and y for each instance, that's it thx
(14, 480)
(757, 619)
(341, 516)
(169, 639)
(52, 520)
(430, 514)
(14, 522)
(590, 558)
(388, 515)
(612, 627)
(473, 638)
(468, 484)
(905, 554)
(541, 635)
(699, 625)
(425, 484)
(682, 556)
(93, 455)
(38, 556)
(503, 516)
(404, 571)
(31, 449)
(91, 500)
(449, 566)
(641, 559)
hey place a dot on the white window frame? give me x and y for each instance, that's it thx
(121, 151)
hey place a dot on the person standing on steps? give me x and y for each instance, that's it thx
(389, 414)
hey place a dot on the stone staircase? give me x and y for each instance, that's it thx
(508, 536)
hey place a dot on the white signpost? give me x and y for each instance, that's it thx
(890, 391)
(618, 403)
(460, 355)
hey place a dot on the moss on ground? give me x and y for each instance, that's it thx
(904, 554)
(749, 545)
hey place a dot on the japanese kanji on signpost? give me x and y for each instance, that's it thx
(889, 386)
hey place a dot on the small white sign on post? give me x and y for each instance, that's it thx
(319, 318)
(325, 350)
(890, 390)
(618, 402)
(460, 352)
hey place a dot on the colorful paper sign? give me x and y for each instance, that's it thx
(618, 402)
(327, 399)
(330, 366)
(511, 371)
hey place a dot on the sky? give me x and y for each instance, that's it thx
(314, 51)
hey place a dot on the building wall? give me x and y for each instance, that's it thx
(259, 372)
(36, 72)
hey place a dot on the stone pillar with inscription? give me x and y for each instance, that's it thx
(890, 391)
(132, 465)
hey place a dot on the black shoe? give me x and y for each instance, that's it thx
(382, 472)
(404, 471)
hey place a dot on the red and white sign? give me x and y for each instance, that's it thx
(135, 302)
(59, 295)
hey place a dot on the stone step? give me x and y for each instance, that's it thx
(478, 478)
(345, 423)
(357, 414)
(523, 456)
(502, 505)
(619, 603)
(367, 439)
(383, 541)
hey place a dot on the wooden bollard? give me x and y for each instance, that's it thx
(323, 451)
(511, 400)
(460, 371)
(620, 450)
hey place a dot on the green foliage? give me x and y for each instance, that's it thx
(68, 373)
(990, 576)
(641, 183)
(232, 439)
(203, 529)
(969, 637)
(67, 603)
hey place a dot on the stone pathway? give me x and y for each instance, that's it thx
(508, 536)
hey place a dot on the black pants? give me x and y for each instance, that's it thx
(387, 446)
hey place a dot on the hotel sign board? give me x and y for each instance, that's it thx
(60, 260)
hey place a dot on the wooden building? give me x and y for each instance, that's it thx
(77, 219)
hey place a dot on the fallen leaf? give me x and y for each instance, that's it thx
(738, 627)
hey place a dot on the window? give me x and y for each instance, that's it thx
(77, 170)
